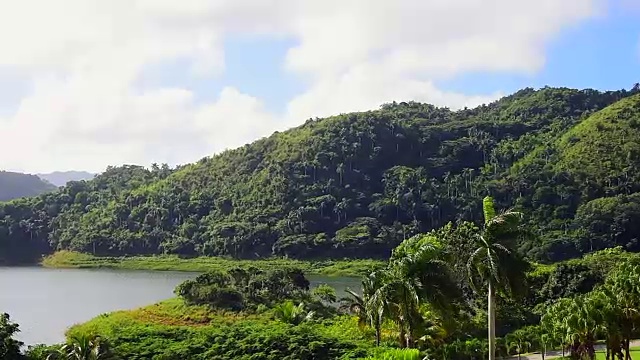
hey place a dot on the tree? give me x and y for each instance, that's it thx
(368, 308)
(325, 293)
(492, 260)
(83, 347)
(9, 347)
(519, 340)
(398, 299)
(622, 296)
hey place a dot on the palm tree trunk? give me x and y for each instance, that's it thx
(627, 344)
(492, 321)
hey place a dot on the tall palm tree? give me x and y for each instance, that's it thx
(398, 298)
(419, 276)
(428, 270)
(493, 256)
(368, 310)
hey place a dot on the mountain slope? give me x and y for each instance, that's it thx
(61, 178)
(16, 185)
(597, 162)
(605, 147)
(353, 185)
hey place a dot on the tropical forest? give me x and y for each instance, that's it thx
(507, 230)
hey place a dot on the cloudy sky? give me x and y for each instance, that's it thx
(90, 83)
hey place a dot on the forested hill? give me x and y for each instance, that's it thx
(356, 185)
(15, 185)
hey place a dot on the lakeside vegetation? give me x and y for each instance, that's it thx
(70, 259)
(432, 298)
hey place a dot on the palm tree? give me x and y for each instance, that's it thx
(292, 314)
(82, 347)
(398, 298)
(430, 274)
(493, 256)
(519, 341)
(419, 276)
(545, 341)
(553, 322)
(621, 295)
(368, 310)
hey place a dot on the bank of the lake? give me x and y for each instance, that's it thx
(172, 329)
(46, 301)
(69, 259)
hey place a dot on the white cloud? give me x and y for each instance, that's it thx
(366, 87)
(84, 57)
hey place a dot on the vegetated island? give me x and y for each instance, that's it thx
(346, 267)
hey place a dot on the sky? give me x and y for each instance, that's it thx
(85, 84)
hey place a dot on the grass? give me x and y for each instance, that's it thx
(70, 259)
(171, 312)
(635, 354)
(171, 329)
(602, 354)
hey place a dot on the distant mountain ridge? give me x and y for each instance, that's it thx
(15, 185)
(61, 178)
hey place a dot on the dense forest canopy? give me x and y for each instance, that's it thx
(15, 185)
(356, 185)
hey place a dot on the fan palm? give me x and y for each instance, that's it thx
(82, 347)
(622, 290)
(398, 298)
(419, 276)
(493, 262)
(519, 341)
(292, 314)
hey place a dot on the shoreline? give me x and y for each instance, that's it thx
(74, 260)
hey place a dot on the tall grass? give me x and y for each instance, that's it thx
(70, 259)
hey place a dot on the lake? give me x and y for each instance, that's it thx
(45, 302)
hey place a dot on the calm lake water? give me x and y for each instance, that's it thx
(45, 302)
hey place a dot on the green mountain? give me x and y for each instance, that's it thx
(356, 185)
(16, 185)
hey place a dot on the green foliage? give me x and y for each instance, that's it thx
(68, 259)
(156, 337)
(357, 185)
(397, 354)
(83, 347)
(9, 347)
(494, 260)
(238, 288)
(406, 304)
(609, 312)
(325, 293)
(292, 314)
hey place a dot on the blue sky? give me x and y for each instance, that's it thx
(602, 53)
(91, 84)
